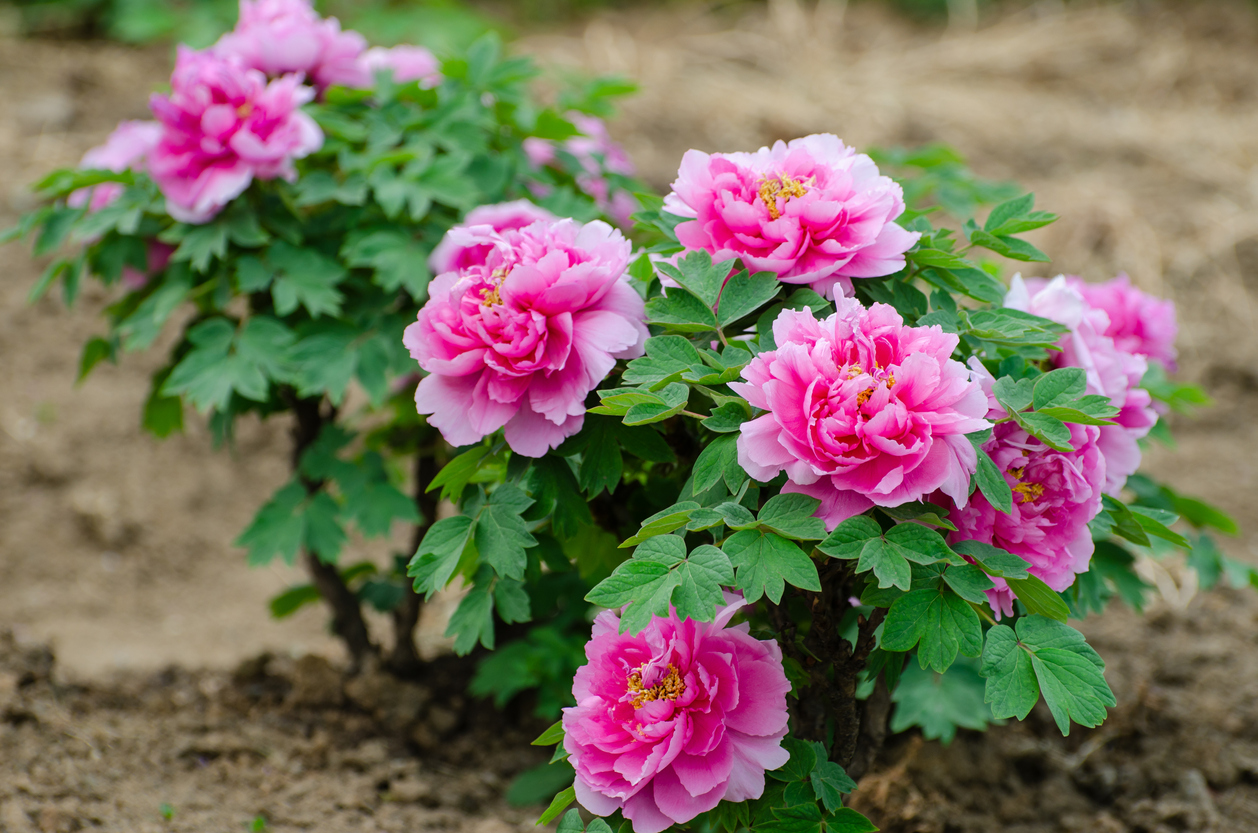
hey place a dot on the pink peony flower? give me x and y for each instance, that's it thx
(814, 211)
(598, 155)
(1139, 323)
(158, 256)
(223, 125)
(1111, 371)
(408, 63)
(282, 36)
(126, 149)
(1055, 495)
(451, 255)
(671, 721)
(862, 411)
(521, 339)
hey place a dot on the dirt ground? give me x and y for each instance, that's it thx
(1137, 122)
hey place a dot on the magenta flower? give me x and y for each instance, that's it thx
(1139, 323)
(862, 411)
(126, 149)
(1055, 495)
(223, 125)
(1111, 371)
(671, 721)
(282, 36)
(521, 339)
(814, 211)
(598, 155)
(452, 255)
(408, 63)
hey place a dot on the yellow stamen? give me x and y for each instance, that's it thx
(493, 295)
(863, 396)
(1029, 491)
(1018, 472)
(782, 186)
(669, 688)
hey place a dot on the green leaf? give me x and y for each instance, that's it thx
(727, 419)
(744, 294)
(802, 761)
(277, 528)
(551, 736)
(473, 620)
(848, 820)
(848, 538)
(829, 781)
(663, 522)
(601, 462)
(766, 562)
(1014, 394)
(1048, 429)
(699, 592)
(938, 621)
(993, 560)
(163, 415)
(666, 359)
(293, 599)
(511, 601)
(398, 260)
(571, 823)
(439, 553)
(969, 582)
(1050, 658)
(501, 534)
(306, 278)
(716, 462)
(456, 474)
(557, 805)
(323, 534)
(201, 244)
(95, 351)
(699, 276)
(1008, 210)
(1059, 386)
(1039, 598)
(992, 483)
(681, 311)
(791, 516)
(940, 703)
(668, 402)
(1010, 247)
(887, 562)
(660, 573)
(1156, 522)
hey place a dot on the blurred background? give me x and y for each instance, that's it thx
(1135, 121)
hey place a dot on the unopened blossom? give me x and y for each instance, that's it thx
(861, 410)
(451, 254)
(520, 340)
(223, 125)
(126, 149)
(1139, 323)
(407, 63)
(1111, 371)
(157, 257)
(813, 211)
(1055, 495)
(672, 721)
(282, 36)
(598, 155)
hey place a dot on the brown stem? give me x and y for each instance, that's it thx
(875, 713)
(347, 614)
(404, 659)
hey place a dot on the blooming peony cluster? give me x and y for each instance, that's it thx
(813, 211)
(223, 125)
(278, 37)
(1111, 371)
(455, 252)
(672, 721)
(126, 149)
(861, 411)
(520, 339)
(1139, 323)
(598, 155)
(1055, 495)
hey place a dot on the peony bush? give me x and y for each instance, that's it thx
(718, 468)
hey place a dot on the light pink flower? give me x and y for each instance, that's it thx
(126, 149)
(670, 722)
(521, 339)
(282, 36)
(862, 411)
(1055, 495)
(451, 255)
(1139, 323)
(158, 256)
(1111, 372)
(598, 155)
(223, 125)
(408, 63)
(814, 211)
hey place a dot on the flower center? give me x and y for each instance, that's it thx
(492, 295)
(782, 186)
(244, 109)
(669, 688)
(1029, 491)
(863, 396)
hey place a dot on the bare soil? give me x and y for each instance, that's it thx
(1137, 122)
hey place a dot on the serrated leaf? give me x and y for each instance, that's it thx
(940, 703)
(719, 461)
(727, 419)
(766, 561)
(681, 311)
(791, 516)
(744, 294)
(473, 620)
(699, 276)
(439, 553)
(456, 474)
(848, 538)
(1014, 394)
(501, 535)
